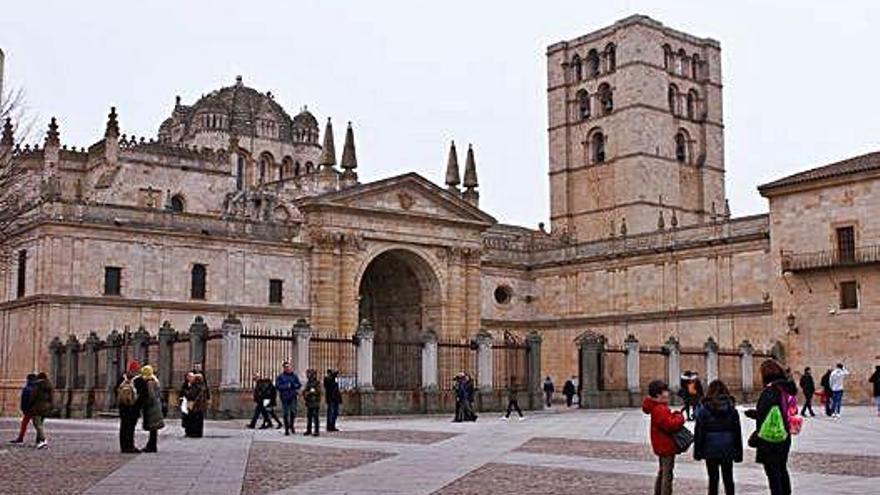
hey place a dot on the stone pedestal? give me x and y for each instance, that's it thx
(430, 368)
(55, 350)
(673, 365)
(746, 352)
(484, 361)
(302, 335)
(590, 348)
(139, 340)
(198, 336)
(90, 347)
(365, 337)
(633, 373)
(230, 377)
(533, 340)
(711, 348)
(71, 348)
(115, 367)
(166, 355)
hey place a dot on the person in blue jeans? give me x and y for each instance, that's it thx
(836, 381)
(288, 385)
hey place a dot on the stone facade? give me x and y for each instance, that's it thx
(641, 248)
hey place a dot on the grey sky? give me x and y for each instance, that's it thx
(800, 78)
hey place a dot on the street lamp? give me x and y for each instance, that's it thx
(791, 320)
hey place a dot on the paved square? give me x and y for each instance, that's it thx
(570, 451)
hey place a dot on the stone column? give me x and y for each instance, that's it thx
(115, 367)
(90, 347)
(633, 373)
(484, 360)
(166, 355)
(430, 370)
(139, 341)
(365, 336)
(746, 365)
(302, 335)
(673, 364)
(533, 340)
(55, 350)
(230, 377)
(198, 335)
(72, 348)
(590, 348)
(711, 348)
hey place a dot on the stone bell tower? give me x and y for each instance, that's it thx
(635, 130)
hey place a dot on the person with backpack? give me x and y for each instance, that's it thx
(717, 436)
(836, 382)
(25, 406)
(333, 397)
(130, 395)
(875, 381)
(808, 387)
(152, 408)
(568, 391)
(312, 399)
(40, 406)
(288, 385)
(825, 383)
(665, 423)
(772, 435)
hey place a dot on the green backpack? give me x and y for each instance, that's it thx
(773, 428)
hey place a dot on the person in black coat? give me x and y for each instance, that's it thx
(808, 387)
(717, 436)
(262, 400)
(825, 382)
(270, 393)
(129, 414)
(774, 456)
(875, 380)
(333, 398)
(568, 391)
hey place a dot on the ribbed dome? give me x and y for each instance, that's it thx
(305, 119)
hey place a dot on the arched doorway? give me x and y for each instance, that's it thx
(400, 295)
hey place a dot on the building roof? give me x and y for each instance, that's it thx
(850, 166)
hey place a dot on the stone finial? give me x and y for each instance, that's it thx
(674, 220)
(7, 138)
(452, 176)
(239, 81)
(710, 345)
(713, 212)
(623, 229)
(727, 208)
(349, 158)
(470, 169)
(112, 125)
(661, 222)
(328, 154)
(52, 135)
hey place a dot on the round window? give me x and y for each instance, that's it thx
(503, 294)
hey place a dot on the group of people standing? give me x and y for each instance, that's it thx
(464, 388)
(139, 396)
(569, 390)
(36, 404)
(287, 385)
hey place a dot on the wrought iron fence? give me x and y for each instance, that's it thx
(262, 352)
(397, 365)
(830, 258)
(510, 363)
(453, 357)
(338, 352)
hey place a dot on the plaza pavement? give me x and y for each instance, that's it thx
(558, 451)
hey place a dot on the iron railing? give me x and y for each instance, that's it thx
(832, 258)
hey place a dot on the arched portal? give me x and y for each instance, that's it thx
(400, 295)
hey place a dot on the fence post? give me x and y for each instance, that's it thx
(55, 349)
(302, 335)
(533, 340)
(633, 373)
(429, 362)
(673, 364)
(484, 360)
(114, 368)
(711, 348)
(72, 348)
(591, 345)
(230, 377)
(139, 341)
(747, 366)
(198, 334)
(90, 347)
(166, 354)
(365, 336)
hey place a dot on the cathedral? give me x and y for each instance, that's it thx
(237, 207)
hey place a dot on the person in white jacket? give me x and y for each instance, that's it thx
(836, 381)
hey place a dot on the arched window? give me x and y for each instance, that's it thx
(310, 167)
(177, 203)
(266, 164)
(606, 98)
(198, 285)
(296, 169)
(691, 104)
(583, 102)
(681, 144)
(597, 146)
(577, 68)
(672, 97)
(239, 173)
(286, 168)
(683, 61)
(593, 63)
(667, 57)
(611, 57)
(695, 67)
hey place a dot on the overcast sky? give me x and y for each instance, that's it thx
(800, 78)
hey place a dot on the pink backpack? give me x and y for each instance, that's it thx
(790, 409)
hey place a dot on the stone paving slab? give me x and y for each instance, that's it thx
(395, 436)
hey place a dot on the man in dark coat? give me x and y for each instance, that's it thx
(261, 401)
(25, 407)
(130, 413)
(41, 406)
(809, 388)
(825, 382)
(333, 397)
(548, 391)
(568, 391)
(287, 383)
(312, 399)
(875, 381)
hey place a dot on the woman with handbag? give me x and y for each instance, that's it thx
(717, 436)
(667, 428)
(152, 408)
(772, 435)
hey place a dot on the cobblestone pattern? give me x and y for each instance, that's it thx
(847, 465)
(396, 436)
(273, 465)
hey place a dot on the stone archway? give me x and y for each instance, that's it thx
(400, 295)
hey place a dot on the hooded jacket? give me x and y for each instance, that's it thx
(26, 394)
(664, 423)
(288, 386)
(717, 433)
(771, 453)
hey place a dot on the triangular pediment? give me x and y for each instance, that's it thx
(409, 194)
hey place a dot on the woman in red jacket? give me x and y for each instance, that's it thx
(664, 423)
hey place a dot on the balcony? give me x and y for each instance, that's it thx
(819, 260)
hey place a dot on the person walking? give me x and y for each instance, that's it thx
(470, 391)
(271, 393)
(875, 381)
(195, 394)
(548, 392)
(568, 391)
(772, 451)
(333, 397)
(808, 387)
(40, 406)
(152, 408)
(261, 401)
(825, 383)
(836, 382)
(458, 389)
(312, 399)
(718, 436)
(664, 424)
(512, 400)
(25, 406)
(287, 383)
(130, 393)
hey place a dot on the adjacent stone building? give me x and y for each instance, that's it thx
(236, 207)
